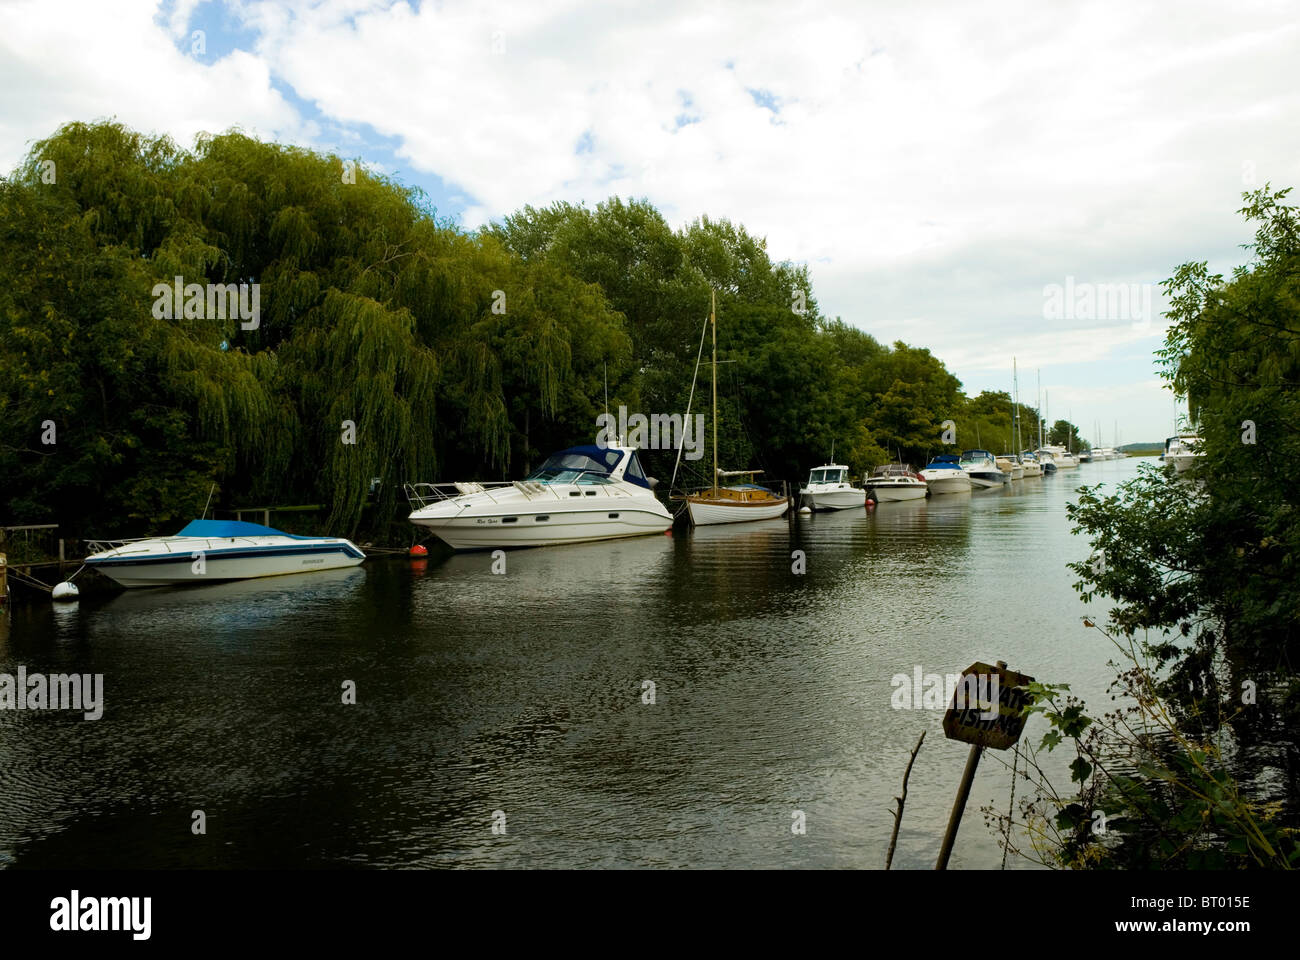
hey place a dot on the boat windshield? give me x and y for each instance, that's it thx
(572, 466)
(826, 476)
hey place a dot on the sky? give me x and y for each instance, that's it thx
(981, 179)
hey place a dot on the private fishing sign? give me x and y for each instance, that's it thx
(988, 707)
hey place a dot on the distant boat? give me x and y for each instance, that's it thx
(1063, 457)
(208, 551)
(945, 474)
(1010, 464)
(1047, 459)
(739, 502)
(1183, 452)
(583, 493)
(1031, 465)
(896, 481)
(982, 467)
(828, 489)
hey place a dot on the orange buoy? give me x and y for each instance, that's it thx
(419, 550)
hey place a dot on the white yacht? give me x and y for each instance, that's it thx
(1010, 464)
(896, 481)
(1030, 464)
(828, 489)
(945, 474)
(983, 469)
(209, 551)
(1047, 460)
(1063, 457)
(1183, 451)
(583, 493)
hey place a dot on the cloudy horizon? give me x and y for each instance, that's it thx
(941, 169)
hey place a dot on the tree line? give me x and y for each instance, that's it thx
(390, 345)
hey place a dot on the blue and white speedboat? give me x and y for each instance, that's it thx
(209, 551)
(945, 475)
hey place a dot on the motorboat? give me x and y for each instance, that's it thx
(208, 551)
(983, 469)
(1182, 451)
(1063, 457)
(896, 481)
(945, 474)
(828, 488)
(1010, 464)
(1046, 459)
(596, 492)
(1031, 465)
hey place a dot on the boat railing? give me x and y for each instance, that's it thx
(427, 494)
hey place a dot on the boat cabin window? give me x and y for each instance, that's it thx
(592, 464)
(826, 476)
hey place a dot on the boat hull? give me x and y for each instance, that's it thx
(612, 521)
(937, 483)
(709, 512)
(846, 499)
(205, 561)
(911, 491)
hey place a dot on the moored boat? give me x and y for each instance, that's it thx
(1182, 451)
(579, 494)
(896, 481)
(828, 489)
(982, 467)
(1010, 464)
(208, 551)
(945, 474)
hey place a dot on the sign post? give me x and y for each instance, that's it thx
(997, 723)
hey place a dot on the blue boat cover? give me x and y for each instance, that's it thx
(216, 529)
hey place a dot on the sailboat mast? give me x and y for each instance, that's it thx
(713, 322)
(1038, 406)
(1015, 390)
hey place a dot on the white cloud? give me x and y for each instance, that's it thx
(937, 164)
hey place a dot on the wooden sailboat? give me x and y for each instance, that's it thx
(735, 502)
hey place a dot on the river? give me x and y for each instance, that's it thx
(500, 719)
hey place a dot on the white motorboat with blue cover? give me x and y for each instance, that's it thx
(945, 474)
(208, 551)
(596, 492)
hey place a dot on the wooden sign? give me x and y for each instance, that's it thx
(988, 707)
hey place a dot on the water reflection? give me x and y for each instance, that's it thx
(525, 691)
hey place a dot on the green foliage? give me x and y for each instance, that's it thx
(443, 353)
(1201, 575)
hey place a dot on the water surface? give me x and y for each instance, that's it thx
(523, 693)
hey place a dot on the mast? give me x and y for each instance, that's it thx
(1038, 407)
(713, 322)
(1015, 399)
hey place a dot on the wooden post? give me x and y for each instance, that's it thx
(61, 560)
(959, 806)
